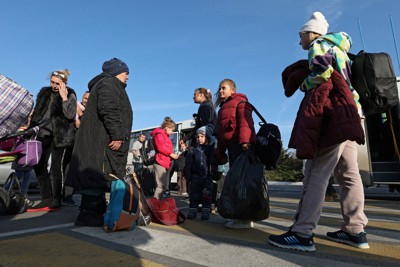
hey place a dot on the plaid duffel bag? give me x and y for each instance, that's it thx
(16, 103)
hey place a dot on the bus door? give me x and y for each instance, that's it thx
(379, 158)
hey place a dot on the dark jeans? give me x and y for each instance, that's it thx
(26, 178)
(200, 192)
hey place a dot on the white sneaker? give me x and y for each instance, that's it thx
(239, 224)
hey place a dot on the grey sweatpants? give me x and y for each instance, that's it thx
(341, 160)
(162, 180)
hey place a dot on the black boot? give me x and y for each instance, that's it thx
(89, 212)
(192, 214)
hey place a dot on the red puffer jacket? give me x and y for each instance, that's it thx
(163, 146)
(235, 124)
(327, 115)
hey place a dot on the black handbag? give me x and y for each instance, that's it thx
(17, 202)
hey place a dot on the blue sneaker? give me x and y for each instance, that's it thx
(166, 193)
(291, 240)
(355, 240)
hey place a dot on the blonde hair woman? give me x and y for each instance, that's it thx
(57, 104)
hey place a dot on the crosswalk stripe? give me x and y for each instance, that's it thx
(33, 230)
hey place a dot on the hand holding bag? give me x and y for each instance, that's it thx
(30, 151)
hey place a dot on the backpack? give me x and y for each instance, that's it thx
(148, 152)
(16, 103)
(268, 146)
(124, 207)
(374, 80)
(199, 164)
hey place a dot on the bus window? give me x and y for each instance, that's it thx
(182, 128)
(175, 142)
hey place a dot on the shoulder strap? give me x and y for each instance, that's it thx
(254, 109)
(351, 56)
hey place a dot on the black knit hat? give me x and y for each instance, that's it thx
(115, 66)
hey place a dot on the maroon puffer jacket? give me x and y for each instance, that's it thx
(327, 116)
(235, 124)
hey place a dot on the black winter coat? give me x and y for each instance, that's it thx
(206, 116)
(108, 117)
(63, 128)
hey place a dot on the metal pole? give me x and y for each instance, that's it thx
(395, 43)
(362, 37)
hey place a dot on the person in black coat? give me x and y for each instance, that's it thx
(55, 104)
(102, 141)
(206, 115)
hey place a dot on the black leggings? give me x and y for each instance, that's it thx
(50, 183)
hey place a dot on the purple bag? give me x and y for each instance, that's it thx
(30, 151)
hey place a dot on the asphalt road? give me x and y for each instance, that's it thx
(51, 239)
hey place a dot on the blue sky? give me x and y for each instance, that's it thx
(175, 46)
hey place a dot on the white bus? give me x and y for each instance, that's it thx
(182, 128)
(378, 159)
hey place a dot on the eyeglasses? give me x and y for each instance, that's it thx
(60, 75)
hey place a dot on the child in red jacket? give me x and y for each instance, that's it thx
(164, 153)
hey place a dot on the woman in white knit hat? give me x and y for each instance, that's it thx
(327, 53)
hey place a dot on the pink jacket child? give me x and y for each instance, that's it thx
(163, 146)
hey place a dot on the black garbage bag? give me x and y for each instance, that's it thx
(245, 192)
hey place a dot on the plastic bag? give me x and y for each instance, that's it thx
(245, 192)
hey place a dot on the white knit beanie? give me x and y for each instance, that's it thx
(317, 24)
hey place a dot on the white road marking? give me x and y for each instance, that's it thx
(33, 230)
